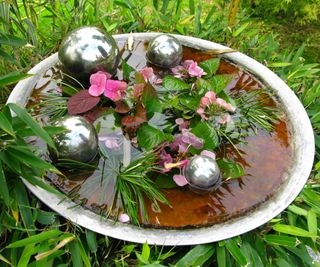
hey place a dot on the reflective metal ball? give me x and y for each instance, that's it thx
(202, 172)
(79, 142)
(164, 51)
(87, 50)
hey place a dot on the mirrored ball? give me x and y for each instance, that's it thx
(164, 51)
(87, 50)
(78, 142)
(202, 172)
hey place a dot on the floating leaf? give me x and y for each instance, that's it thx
(82, 102)
(122, 107)
(174, 84)
(149, 137)
(205, 131)
(150, 100)
(210, 66)
(230, 169)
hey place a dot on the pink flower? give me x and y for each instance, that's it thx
(201, 112)
(195, 71)
(98, 83)
(222, 103)
(180, 180)
(225, 118)
(179, 72)
(137, 89)
(184, 140)
(147, 73)
(115, 90)
(124, 218)
(208, 153)
(189, 68)
(182, 123)
(111, 142)
(165, 159)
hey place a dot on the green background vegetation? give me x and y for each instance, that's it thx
(283, 35)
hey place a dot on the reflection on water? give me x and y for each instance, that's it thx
(265, 159)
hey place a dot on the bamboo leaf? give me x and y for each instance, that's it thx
(35, 238)
(292, 230)
(34, 126)
(221, 256)
(6, 123)
(28, 251)
(236, 253)
(145, 251)
(194, 255)
(312, 223)
(281, 240)
(4, 191)
(75, 254)
(92, 240)
(12, 78)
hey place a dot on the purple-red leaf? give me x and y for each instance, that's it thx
(122, 107)
(82, 102)
(136, 120)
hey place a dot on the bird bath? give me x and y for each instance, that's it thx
(297, 153)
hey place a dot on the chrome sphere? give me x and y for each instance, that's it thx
(79, 142)
(202, 172)
(87, 50)
(164, 51)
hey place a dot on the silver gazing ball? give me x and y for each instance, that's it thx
(79, 142)
(164, 51)
(202, 173)
(87, 50)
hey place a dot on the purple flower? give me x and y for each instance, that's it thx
(184, 140)
(180, 180)
(182, 123)
(208, 153)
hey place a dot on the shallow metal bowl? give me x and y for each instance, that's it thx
(294, 180)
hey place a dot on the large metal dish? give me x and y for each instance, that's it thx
(296, 176)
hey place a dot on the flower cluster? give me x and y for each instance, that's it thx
(102, 84)
(210, 99)
(189, 68)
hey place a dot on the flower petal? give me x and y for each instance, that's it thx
(124, 218)
(208, 153)
(180, 180)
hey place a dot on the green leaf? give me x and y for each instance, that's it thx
(75, 254)
(83, 254)
(190, 102)
(196, 256)
(235, 251)
(240, 29)
(220, 82)
(127, 69)
(34, 126)
(150, 100)
(149, 137)
(45, 217)
(12, 77)
(221, 256)
(205, 131)
(174, 84)
(45, 235)
(281, 240)
(6, 123)
(279, 64)
(210, 66)
(4, 191)
(92, 240)
(230, 169)
(164, 181)
(292, 230)
(145, 251)
(28, 251)
(11, 40)
(312, 223)
(141, 259)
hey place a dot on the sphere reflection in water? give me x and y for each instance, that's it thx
(79, 142)
(164, 51)
(87, 50)
(202, 173)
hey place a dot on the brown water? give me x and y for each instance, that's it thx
(265, 158)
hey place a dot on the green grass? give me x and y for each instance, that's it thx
(33, 235)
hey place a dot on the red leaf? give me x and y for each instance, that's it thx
(94, 113)
(136, 120)
(82, 102)
(122, 107)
